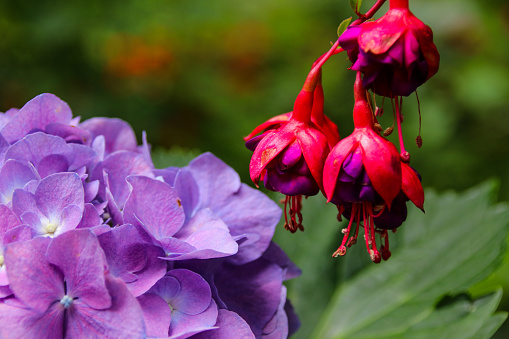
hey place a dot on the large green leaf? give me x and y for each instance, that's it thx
(457, 243)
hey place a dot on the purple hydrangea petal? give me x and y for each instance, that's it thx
(20, 322)
(228, 325)
(118, 166)
(188, 191)
(53, 163)
(69, 219)
(184, 325)
(56, 192)
(81, 259)
(5, 291)
(277, 327)
(162, 215)
(90, 217)
(167, 174)
(194, 294)
(31, 278)
(36, 115)
(8, 220)
(216, 180)
(250, 213)
(15, 174)
(246, 211)
(35, 147)
(69, 132)
(252, 290)
(209, 235)
(118, 134)
(157, 314)
(91, 189)
(128, 250)
(124, 319)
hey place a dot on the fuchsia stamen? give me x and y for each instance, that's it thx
(293, 219)
(366, 209)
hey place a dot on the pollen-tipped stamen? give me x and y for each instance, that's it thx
(346, 232)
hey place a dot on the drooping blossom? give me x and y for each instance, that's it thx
(395, 53)
(366, 178)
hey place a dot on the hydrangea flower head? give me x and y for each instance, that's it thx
(395, 53)
(95, 242)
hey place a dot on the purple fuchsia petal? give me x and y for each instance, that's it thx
(78, 254)
(32, 279)
(129, 251)
(294, 181)
(36, 115)
(124, 319)
(118, 134)
(228, 325)
(162, 215)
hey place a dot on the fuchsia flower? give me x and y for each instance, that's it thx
(366, 178)
(289, 159)
(396, 53)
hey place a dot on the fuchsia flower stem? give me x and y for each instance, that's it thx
(369, 13)
(304, 102)
(401, 4)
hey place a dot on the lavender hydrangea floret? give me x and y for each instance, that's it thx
(95, 242)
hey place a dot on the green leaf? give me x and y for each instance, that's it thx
(356, 5)
(312, 251)
(175, 157)
(343, 26)
(456, 244)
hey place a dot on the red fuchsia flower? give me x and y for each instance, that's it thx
(366, 178)
(289, 156)
(395, 53)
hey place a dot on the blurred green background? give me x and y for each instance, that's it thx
(201, 74)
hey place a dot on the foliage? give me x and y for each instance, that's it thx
(421, 292)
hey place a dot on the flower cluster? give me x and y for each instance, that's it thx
(96, 242)
(300, 153)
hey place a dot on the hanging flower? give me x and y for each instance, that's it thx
(395, 53)
(365, 177)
